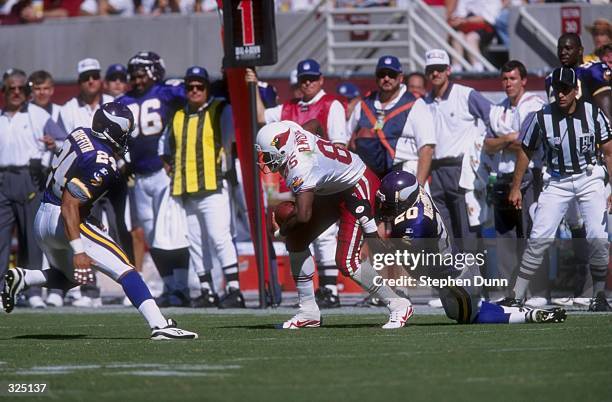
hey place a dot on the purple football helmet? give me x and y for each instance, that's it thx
(398, 191)
(150, 62)
(113, 122)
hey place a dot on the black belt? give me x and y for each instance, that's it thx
(13, 168)
(456, 161)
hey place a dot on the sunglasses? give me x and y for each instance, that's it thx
(310, 78)
(21, 88)
(87, 76)
(380, 74)
(198, 87)
(439, 68)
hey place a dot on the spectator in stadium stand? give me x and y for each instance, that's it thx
(391, 128)
(474, 20)
(21, 12)
(456, 110)
(123, 8)
(351, 93)
(26, 133)
(416, 83)
(325, 115)
(512, 225)
(601, 31)
(115, 80)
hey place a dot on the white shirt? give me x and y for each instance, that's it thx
(506, 119)
(20, 135)
(75, 113)
(455, 117)
(314, 164)
(417, 132)
(336, 118)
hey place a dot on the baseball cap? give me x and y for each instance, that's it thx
(348, 90)
(389, 63)
(196, 73)
(86, 65)
(308, 67)
(116, 71)
(436, 57)
(564, 76)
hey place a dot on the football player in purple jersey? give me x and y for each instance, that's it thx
(413, 219)
(594, 78)
(82, 172)
(153, 103)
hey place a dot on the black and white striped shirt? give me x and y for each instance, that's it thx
(571, 142)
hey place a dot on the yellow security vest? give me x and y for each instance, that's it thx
(197, 151)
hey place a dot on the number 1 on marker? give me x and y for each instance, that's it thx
(248, 29)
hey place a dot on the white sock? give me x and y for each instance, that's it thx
(364, 276)
(152, 314)
(34, 277)
(517, 318)
(302, 268)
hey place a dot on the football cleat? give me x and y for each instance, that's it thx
(232, 299)
(401, 311)
(510, 302)
(303, 319)
(171, 332)
(546, 315)
(599, 303)
(325, 298)
(14, 282)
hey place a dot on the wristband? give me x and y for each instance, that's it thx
(277, 234)
(77, 246)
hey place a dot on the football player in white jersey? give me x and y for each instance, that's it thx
(330, 184)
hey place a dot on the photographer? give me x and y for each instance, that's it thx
(26, 132)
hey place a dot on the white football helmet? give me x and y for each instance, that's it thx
(272, 144)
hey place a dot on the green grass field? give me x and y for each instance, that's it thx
(241, 357)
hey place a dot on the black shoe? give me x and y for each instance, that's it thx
(163, 300)
(232, 299)
(553, 315)
(510, 302)
(371, 301)
(179, 299)
(599, 303)
(326, 299)
(206, 299)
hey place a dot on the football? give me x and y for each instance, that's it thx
(283, 210)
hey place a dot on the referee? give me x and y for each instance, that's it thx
(574, 133)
